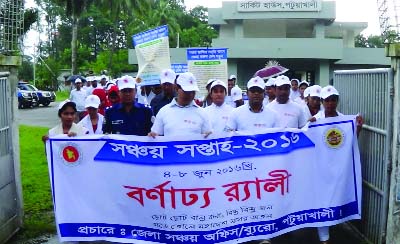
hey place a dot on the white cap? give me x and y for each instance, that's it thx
(77, 80)
(314, 91)
(295, 80)
(282, 80)
(255, 82)
(270, 82)
(92, 101)
(307, 91)
(328, 91)
(231, 77)
(109, 84)
(167, 76)
(125, 82)
(236, 93)
(187, 81)
(89, 78)
(219, 83)
(65, 102)
(304, 82)
(96, 78)
(210, 81)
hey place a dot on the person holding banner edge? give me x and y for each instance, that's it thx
(182, 116)
(330, 100)
(127, 117)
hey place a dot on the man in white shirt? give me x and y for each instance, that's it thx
(218, 111)
(228, 97)
(269, 91)
(290, 114)
(78, 96)
(252, 117)
(182, 116)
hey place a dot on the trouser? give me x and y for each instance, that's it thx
(323, 233)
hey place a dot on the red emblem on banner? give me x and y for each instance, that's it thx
(70, 154)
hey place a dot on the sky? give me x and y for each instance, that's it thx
(346, 10)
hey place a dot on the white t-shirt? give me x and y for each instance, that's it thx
(244, 120)
(229, 101)
(300, 101)
(89, 90)
(218, 116)
(78, 97)
(290, 114)
(321, 114)
(173, 119)
(77, 129)
(145, 99)
(294, 94)
(87, 123)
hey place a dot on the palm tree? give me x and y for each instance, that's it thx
(74, 9)
(114, 10)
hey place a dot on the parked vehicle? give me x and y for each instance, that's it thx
(26, 99)
(44, 97)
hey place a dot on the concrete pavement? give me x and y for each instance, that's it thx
(39, 116)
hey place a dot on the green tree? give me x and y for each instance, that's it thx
(74, 9)
(114, 10)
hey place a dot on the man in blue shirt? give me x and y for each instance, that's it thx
(127, 117)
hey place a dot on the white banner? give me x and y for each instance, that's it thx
(196, 190)
(152, 51)
(279, 6)
(207, 63)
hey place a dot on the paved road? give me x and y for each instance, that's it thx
(39, 116)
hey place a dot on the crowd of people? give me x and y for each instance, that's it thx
(172, 108)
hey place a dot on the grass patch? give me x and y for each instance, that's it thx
(62, 95)
(36, 190)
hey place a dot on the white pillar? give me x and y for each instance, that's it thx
(393, 220)
(322, 74)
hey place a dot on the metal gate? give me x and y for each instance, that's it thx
(370, 93)
(8, 189)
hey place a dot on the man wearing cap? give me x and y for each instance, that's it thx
(218, 111)
(127, 117)
(312, 97)
(167, 79)
(330, 99)
(290, 114)
(103, 81)
(294, 92)
(78, 96)
(93, 121)
(231, 84)
(145, 95)
(237, 97)
(182, 116)
(93, 86)
(252, 117)
(269, 91)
